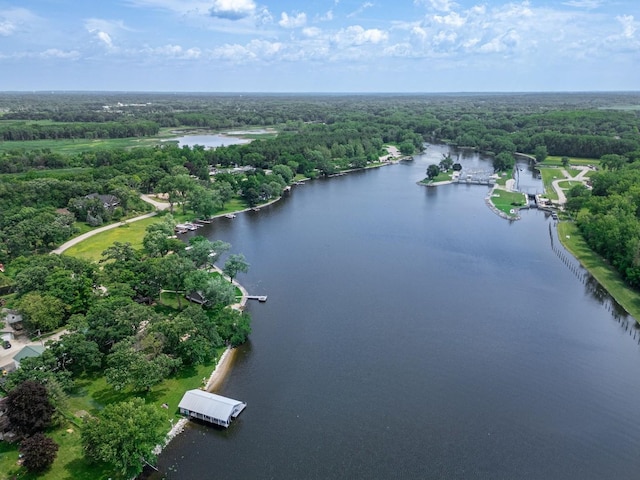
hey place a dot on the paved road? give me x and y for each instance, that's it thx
(562, 198)
(84, 236)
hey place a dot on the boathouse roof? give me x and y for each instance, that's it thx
(210, 407)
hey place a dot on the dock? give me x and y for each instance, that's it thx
(260, 298)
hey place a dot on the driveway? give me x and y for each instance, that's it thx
(84, 236)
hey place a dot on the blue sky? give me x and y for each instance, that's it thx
(320, 45)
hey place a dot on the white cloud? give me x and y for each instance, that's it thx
(104, 30)
(588, 4)
(13, 20)
(174, 51)
(296, 21)
(360, 9)
(629, 25)
(7, 28)
(254, 50)
(311, 32)
(105, 38)
(453, 19)
(56, 53)
(356, 35)
(232, 9)
(439, 5)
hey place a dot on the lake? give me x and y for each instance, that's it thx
(209, 140)
(412, 333)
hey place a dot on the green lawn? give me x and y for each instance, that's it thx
(504, 176)
(574, 242)
(441, 177)
(549, 174)
(507, 201)
(554, 160)
(567, 184)
(92, 248)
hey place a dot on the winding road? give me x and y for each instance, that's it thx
(562, 198)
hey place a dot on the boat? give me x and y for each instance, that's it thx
(230, 215)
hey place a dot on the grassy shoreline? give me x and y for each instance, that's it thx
(573, 241)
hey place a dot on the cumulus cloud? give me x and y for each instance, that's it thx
(104, 30)
(254, 50)
(357, 35)
(629, 25)
(232, 9)
(293, 21)
(311, 31)
(174, 51)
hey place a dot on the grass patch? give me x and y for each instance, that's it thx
(441, 177)
(556, 161)
(549, 174)
(504, 176)
(507, 201)
(91, 249)
(567, 184)
(610, 279)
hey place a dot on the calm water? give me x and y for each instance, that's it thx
(412, 333)
(209, 141)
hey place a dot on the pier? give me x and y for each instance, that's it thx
(260, 298)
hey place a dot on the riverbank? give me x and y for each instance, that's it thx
(572, 240)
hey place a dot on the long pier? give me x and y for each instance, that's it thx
(260, 298)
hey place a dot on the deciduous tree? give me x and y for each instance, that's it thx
(38, 452)
(29, 409)
(124, 434)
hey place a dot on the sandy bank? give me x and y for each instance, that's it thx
(222, 369)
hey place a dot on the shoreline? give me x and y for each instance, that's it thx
(218, 375)
(223, 367)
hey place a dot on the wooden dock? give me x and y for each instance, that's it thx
(260, 298)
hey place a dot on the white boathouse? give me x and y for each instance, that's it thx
(210, 407)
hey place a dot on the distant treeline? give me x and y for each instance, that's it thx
(25, 131)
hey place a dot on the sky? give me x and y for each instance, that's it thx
(320, 45)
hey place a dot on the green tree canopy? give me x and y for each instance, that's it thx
(124, 434)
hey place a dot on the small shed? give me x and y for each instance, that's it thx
(210, 407)
(27, 352)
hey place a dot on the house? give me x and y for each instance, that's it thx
(109, 202)
(196, 297)
(29, 351)
(13, 318)
(210, 407)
